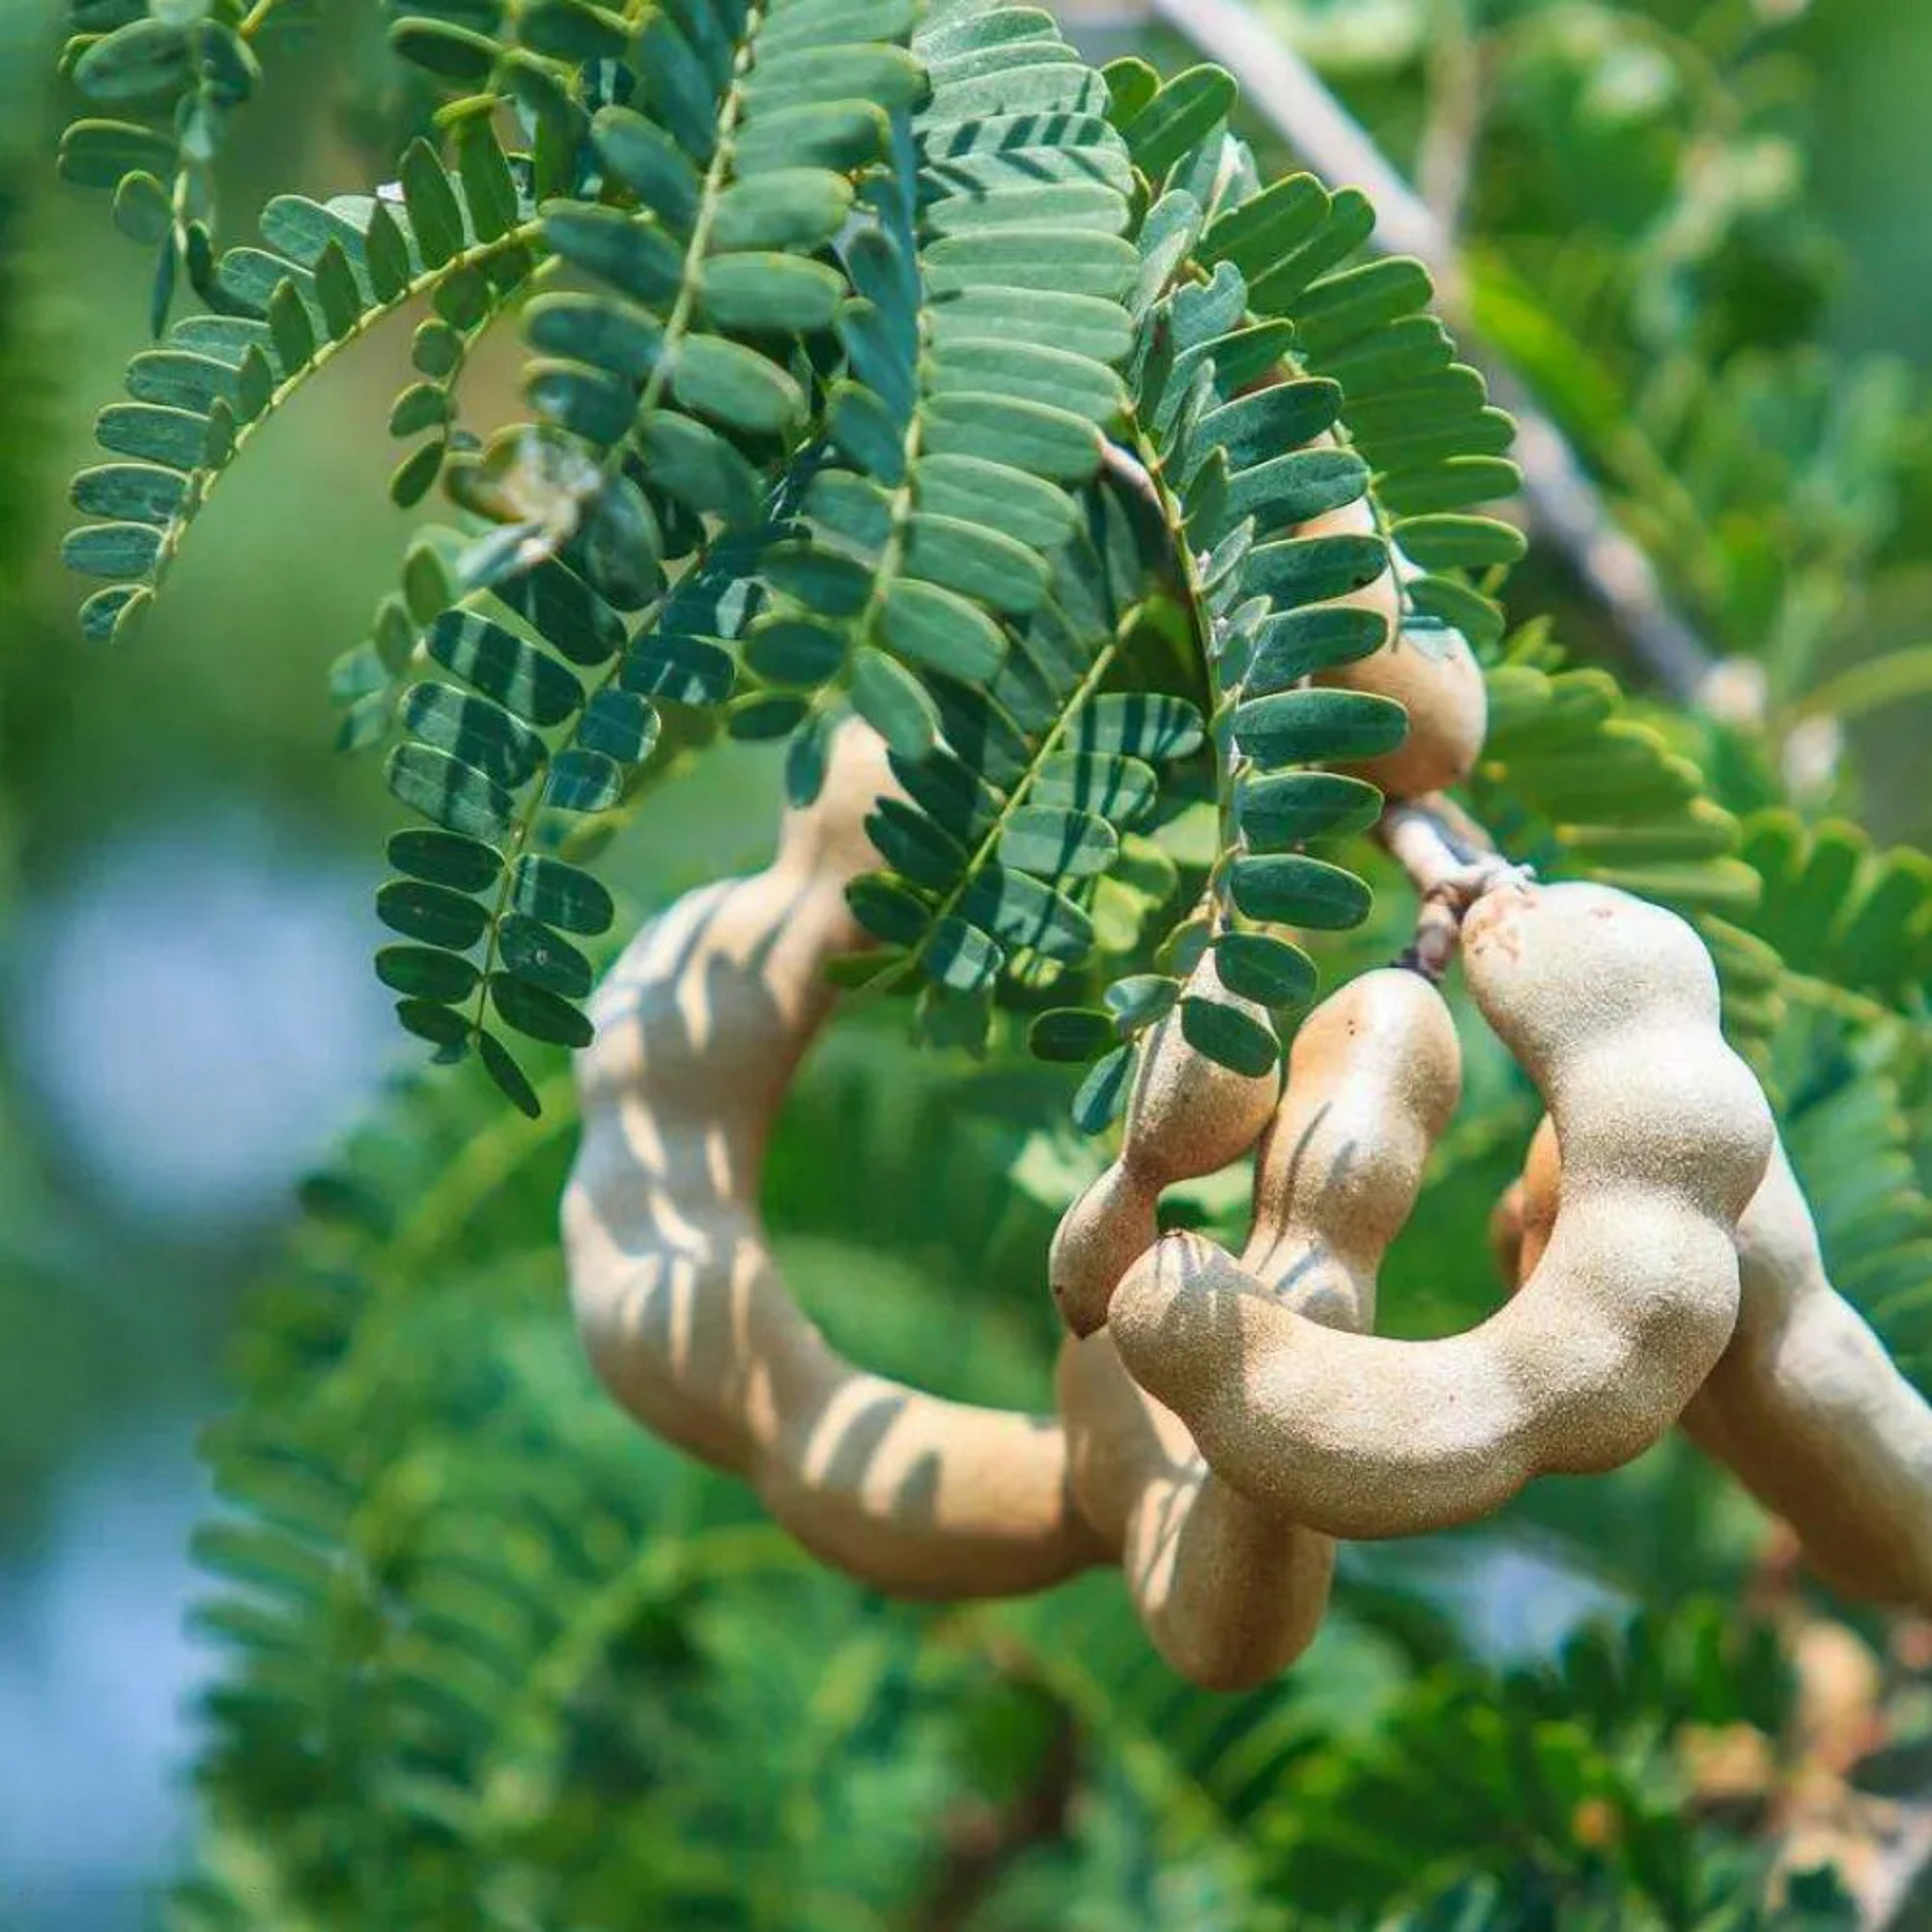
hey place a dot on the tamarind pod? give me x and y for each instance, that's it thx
(1814, 1417)
(1430, 671)
(1541, 1188)
(1506, 1234)
(682, 1309)
(1806, 1408)
(1229, 1593)
(1536, 1195)
(1186, 1116)
(1612, 1006)
(1380, 1073)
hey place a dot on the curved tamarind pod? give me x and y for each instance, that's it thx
(700, 1026)
(1433, 674)
(1187, 1115)
(1337, 1176)
(1813, 1415)
(1229, 1592)
(1805, 1406)
(1612, 1004)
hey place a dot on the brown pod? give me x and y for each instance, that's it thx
(1230, 1592)
(1804, 1406)
(1428, 669)
(1506, 1233)
(1612, 1006)
(1542, 1189)
(700, 1026)
(1186, 1116)
(1815, 1418)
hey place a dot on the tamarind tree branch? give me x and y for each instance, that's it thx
(1565, 507)
(1452, 861)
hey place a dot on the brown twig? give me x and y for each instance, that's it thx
(1452, 861)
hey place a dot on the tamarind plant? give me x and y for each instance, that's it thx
(1111, 545)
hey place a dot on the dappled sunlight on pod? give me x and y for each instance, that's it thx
(1187, 1117)
(1230, 1591)
(1612, 1006)
(682, 1308)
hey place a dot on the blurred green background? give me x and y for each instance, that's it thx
(1731, 271)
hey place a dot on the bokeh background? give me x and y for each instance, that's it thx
(1721, 212)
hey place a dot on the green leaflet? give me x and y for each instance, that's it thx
(1276, 813)
(1145, 725)
(893, 702)
(1103, 1094)
(1295, 889)
(772, 294)
(735, 386)
(609, 334)
(561, 896)
(1117, 788)
(536, 1011)
(1259, 967)
(502, 664)
(112, 549)
(432, 914)
(1229, 1035)
(630, 252)
(454, 795)
(475, 730)
(1073, 1034)
(997, 497)
(961, 958)
(447, 859)
(1020, 910)
(583, 781)
(1056, 841)
(787, 207)
(1183, 113)
(1292, 646)
(426, 973)
(938, 628)
(532, 951)
(1299, 726)
(650, 163)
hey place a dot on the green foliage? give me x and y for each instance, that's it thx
(326, 274)
(1842, 913)
(953, 384)
(167, 77)
(1239, 295)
